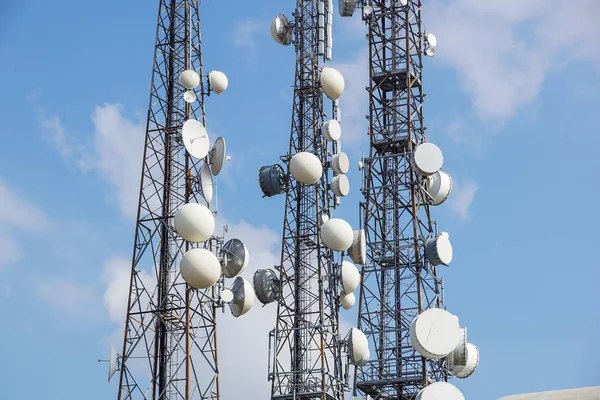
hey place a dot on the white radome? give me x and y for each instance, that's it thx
(337, 234)
(340, 185)
(200, 268)
(340, 163)
(306, 168)
(348, 300)
(332, 82)
(218, 81)
(350, 277)
(440, 391)
(434, 333)
(427, 159)
(194, 222)
(332, 130)
(471, 365)
(359, 346)
(189, 79)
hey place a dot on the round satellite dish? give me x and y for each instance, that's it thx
(235, 258)
(226, 295)
(281, 30)
(217, 156)
(346, 7)
(358, 345)
(272, 180)
(340, 185)
(348, 300)
(439, 250)
(358, 249)
(200, 268)
(350, 277)
(427, 159)
(434, 333)
(195, 138)
(194, 222)
(340, 163)
(243, 297)
(112, 362)
(367, 11)
(470, 365)
(439, 187)
(440, 391)
(458, 357)
(266, 285)
(336, 234)
(331, 130)
(332, 82)
(431, 39)
(206, 182)
(218, 81)
(430, 51)
(306, 168)
(189, 96)
(189, 79)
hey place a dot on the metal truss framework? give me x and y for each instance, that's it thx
(397, 281)
(307, 362)
(169, 348)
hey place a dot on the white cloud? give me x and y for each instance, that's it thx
(9, 249)
(504, 50)
(68, 296)
(461, 198)
(244, 34)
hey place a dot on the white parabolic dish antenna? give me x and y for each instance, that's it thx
(439, 187)
(347, 300)
(340, 185)
(235, 258)
(434, 333)
(350, 277)
(340, 163)
(218, 81)
(431, 39)
(281, 31)
(427, 159)
(217, 156)
(189, 96)
(189, 79)
(331, 130)
(358, 249)
(458, 357)
(306, 167)
(206, 182)
(194, 222)
(112, 362)
(439, 250)
(200, 268)
(195, 138)
(471, 364)
(226, 295)
(243, 297)
(332, 82)
(359, 345)
(336, 234)
(440, 391)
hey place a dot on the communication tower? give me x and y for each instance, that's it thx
(179, 265)
(415, 344)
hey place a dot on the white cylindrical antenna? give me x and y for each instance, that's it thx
(329, 32)
(321, 27)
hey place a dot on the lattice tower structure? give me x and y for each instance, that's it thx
(169, 348)
(397, 280)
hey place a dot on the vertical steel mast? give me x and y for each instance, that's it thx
(398, 282)
(307, 359)
(167, 321)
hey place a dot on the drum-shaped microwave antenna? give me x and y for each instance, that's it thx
(218, 156)
(189, 79)
(243, 297)
(470, 365)
(235, 258)
(336, 234)
(434, 333)
(226, 295)
(430, 51)
(331, 130)
(440, 391)
(200, 268)
(340, 185)
(403, 2)
(332, 82)
(346, 7)
(427, 159)
(112, 362)
(266, 285)
(206, 183)
(218, 81)
(358, 346)
(439, 187)
(281, 30)
(272, 180)
(439, 250)
(306, 168)
(431, 39)
(195, 138)
(350, 277)
(358, 249)
(340, 163)
(194, 222)
(348, 300)
(189, 96)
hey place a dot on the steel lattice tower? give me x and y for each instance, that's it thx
(398, 282)
(169, 349)
(307, 363)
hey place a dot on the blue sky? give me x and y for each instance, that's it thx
(511, 100)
